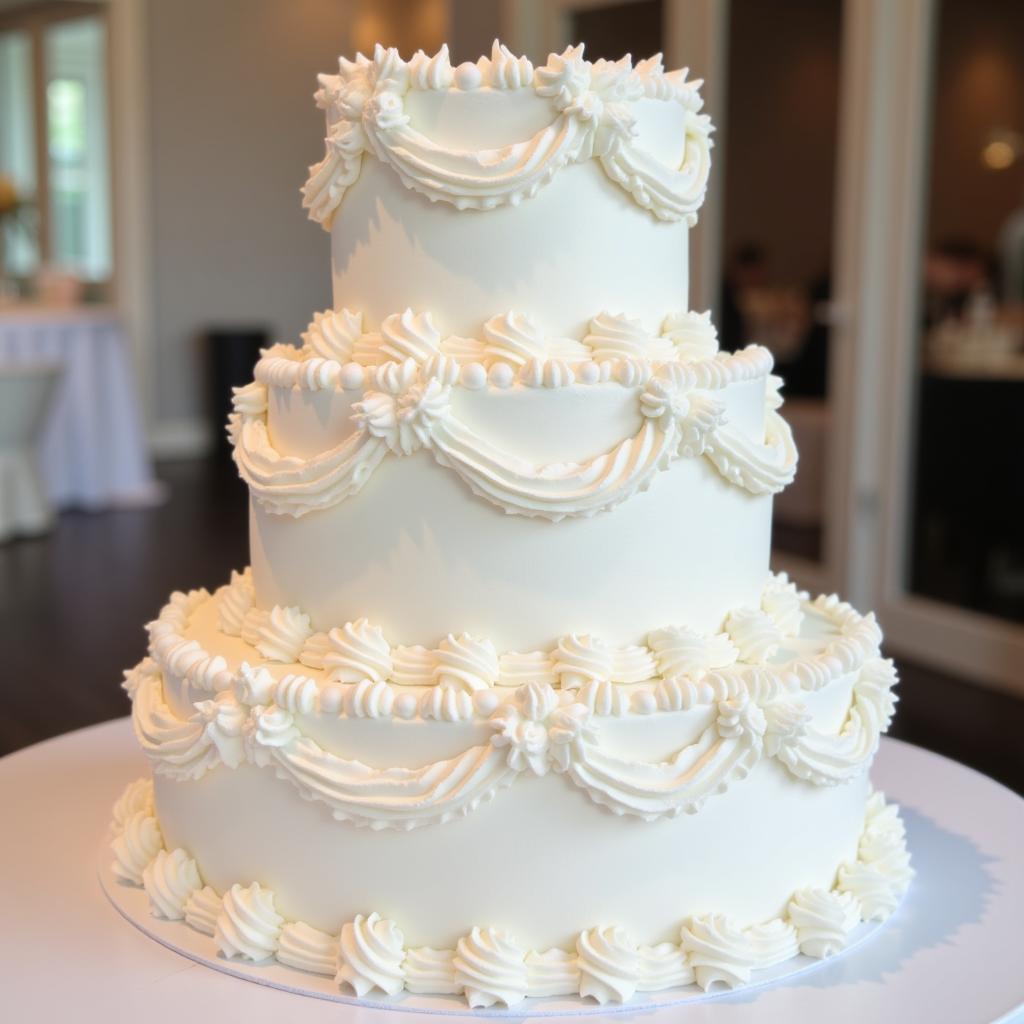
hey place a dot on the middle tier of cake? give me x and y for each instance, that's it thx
(459, 481)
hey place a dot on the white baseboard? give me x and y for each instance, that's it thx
(189, 438)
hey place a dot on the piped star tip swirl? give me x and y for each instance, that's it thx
(248, 926)
(593, 116)
(370, 956)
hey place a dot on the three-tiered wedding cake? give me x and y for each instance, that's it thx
(508, 704)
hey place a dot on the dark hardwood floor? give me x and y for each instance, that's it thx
(73, 604)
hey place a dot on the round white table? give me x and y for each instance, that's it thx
(951, 954)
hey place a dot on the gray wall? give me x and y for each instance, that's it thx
(233, 128)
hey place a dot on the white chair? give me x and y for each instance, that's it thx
(26, 392)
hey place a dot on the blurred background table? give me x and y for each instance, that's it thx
(92, 451)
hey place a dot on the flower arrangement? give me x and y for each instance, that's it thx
(16, 209)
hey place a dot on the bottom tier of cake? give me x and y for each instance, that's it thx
(566, 835)
(369, 955)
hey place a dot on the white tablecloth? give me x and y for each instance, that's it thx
(93, 453)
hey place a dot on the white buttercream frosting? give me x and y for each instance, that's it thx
(579, 659)
(879, 877)
(553, 972)
(307, 949)
(447, 704)
(783, 603)
(408, 335)
(663, 966)
(333, 334)
(368, 699)
(466, 662)
(169, 880)
(680, 651)
(390, 727)
(431, 971)
(410, 410)
(248, 925)
(719, 951)
(234, 602)
(202, 909)
(336, 352)
(135, 846)
(254, 685)
(278, 634)
(269, 729)
(533, 666)
(822, 919)
(604, 698)
(370, 956)
(512, 338)
(351, 653)
(692, 335)
(490, 968)
(431, 72)
(505, 70)
(614, 336)
(533, 733)
(137, 796)
(773, 942)
(296, 694)
(689, 669)
(534, 729)
(883, 842)
(609, 965)
(592, 117)
(755, 634)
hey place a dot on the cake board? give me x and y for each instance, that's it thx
(950, 953)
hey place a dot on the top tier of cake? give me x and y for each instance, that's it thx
(580, 181)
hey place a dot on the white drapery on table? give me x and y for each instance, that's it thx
(93, 451)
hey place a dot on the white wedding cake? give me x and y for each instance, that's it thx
(508, 704)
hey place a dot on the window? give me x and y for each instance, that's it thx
(54, 149)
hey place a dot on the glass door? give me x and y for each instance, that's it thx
(928, 330)
(952, 582)
(965, 523)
